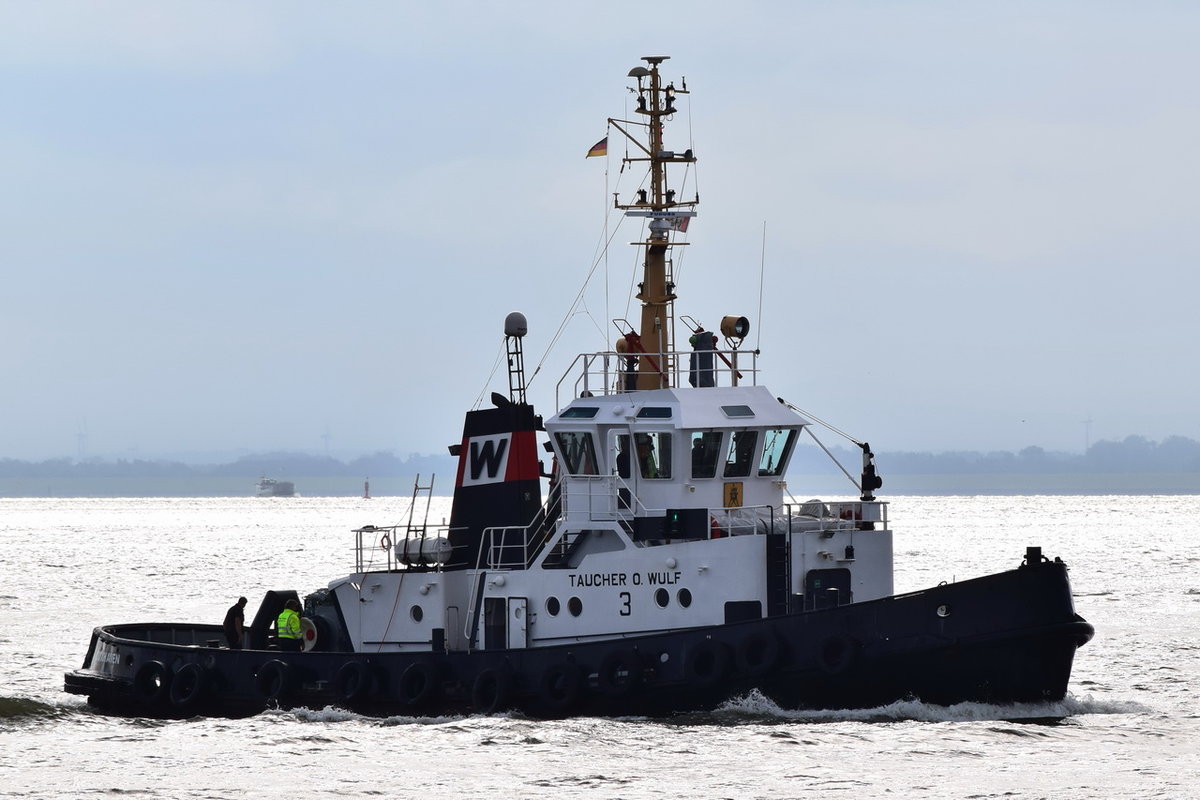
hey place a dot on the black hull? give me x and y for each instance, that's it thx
(1004, 638)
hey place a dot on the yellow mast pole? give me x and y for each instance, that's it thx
(654, 295)
(658, 204)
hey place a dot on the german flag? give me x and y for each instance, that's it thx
(600, 148)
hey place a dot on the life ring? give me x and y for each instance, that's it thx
(707, 662)
(490, 691)
(352, 682)
(152, 682)
(188, 686)
(418, 683)
(273, 680)
(385, 542)
(757, 653)
(837, 654)
(560, 686)
(620, 673)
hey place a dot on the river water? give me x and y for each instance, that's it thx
(1130, 727)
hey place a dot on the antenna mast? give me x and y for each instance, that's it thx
(656, 291)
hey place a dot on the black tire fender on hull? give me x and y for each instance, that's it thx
(152, 683)
(352, 682)
(490, 691)
(757, 653)
(560, 686)
(419, 684)
(837, 654)
(188, 687)
(273, 680)
(620, 673)
(707, 663)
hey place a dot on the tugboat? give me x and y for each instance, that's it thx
(667, 570)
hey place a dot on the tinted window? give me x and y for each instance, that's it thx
(741, 453)
(653, 454)
(706, 450)
(777, 446)
(578, 452)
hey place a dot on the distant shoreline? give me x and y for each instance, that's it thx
(802, 487)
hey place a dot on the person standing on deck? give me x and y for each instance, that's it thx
(287, 626)
(235, 624)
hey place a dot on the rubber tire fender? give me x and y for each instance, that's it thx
(153, 682)
(352, 682)
(707, 663)
(273, 680)
(837, 654)
(490, 690)
(757, 653)
(560, 686)
(189, 686)
(608, 676)
(418, 683)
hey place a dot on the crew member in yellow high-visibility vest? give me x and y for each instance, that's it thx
(287, 626)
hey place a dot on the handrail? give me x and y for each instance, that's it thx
(606, 372)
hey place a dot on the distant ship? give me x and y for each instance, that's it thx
(269, 487)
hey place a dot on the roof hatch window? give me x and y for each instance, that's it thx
(738, 411)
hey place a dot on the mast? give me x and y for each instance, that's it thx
(655, 104)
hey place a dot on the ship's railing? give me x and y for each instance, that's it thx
(505, 547)
(599, 498)
(611, 372)
(401, 547)
(836, 515)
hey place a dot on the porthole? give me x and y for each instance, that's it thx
(662, 597)
(685, 597)
(575, 606)
(943, 611)
(416, 613)
(553, 606)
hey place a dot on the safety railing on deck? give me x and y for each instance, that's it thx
(837, 515)
(614, 373)
(401, 547)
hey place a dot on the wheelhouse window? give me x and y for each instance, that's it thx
(777, 447)
(578, 452)
(706, 451)
(741, 453)
(653, 454)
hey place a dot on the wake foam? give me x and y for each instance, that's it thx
(756, 706)
(334, 714)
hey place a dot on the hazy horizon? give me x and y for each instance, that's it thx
(273, 226)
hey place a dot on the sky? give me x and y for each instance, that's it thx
(231, 227)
